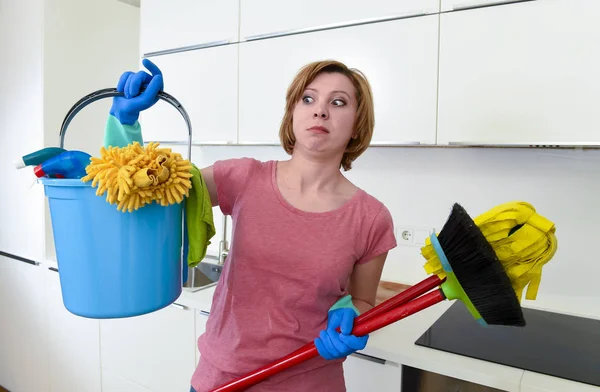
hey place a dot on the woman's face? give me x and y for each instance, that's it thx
(324, 118)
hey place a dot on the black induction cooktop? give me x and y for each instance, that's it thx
(554, 344)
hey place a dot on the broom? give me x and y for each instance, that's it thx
(474, 275)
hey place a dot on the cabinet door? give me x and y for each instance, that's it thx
(175, 24)
(448, 5)
(205, 83)
(362, 373)
(525, 73)
(155, 351)
(399, 58)
(73, 344)
(290, 16)
(23, 320)
(112, 382)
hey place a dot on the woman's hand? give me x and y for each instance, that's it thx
(127, 109)
(334, 345)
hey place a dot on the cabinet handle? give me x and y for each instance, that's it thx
(477, 4)
(369, 358)
(338, 25)
(19, 258)
(394, 144)
(188, 48)
(179, 306)
(53, 269)
(204, 312)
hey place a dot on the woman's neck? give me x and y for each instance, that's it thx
(306, 175)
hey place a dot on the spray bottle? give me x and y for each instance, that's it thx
(69, 164)
(37, 157)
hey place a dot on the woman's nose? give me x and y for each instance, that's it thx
(320, 113)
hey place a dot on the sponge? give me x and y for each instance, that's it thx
(133, 176)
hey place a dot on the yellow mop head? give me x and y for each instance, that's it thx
(133, 176)
(523, 240)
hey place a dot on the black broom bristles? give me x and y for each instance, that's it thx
(479, 271)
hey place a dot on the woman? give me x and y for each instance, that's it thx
(309, 245)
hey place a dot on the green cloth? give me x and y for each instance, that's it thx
(199, 216)
(345, 302)
(120, 135)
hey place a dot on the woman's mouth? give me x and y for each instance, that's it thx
(318, 129)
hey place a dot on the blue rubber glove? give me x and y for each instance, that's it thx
(334, 345)
(127, 109)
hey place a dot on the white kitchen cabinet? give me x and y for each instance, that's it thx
(291, 16)
(363, 373)
(112, 382)
(522, 74)
(155, 351)
(173, 24)
(399, 58)
(23, 320)
(457, 5)
(204, 81)
(73, 344)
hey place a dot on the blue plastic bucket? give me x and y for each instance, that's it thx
(113, 264)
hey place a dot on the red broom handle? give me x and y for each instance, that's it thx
(399, 299)
(310, 351)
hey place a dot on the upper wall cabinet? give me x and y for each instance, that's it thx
(522, 74)
(398, 57)
(268, 17)
(175, 24)
(449, 5)
(205, 83)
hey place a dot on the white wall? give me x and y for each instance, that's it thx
(53, 53)
(87, 45)
(21, 125)
(419, 186)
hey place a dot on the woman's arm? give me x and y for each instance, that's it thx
(364, 282)
(209, 179)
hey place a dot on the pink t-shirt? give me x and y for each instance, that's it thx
(285, 269)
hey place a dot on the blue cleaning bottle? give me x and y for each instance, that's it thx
(37, 157)
(69, 164)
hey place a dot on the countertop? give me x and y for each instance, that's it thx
(395, 343)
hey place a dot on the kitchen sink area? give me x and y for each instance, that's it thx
(204, 275)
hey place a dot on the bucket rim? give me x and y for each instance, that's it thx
(64, 182)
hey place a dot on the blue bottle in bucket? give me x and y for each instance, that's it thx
(113, 264)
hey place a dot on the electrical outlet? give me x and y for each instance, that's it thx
(413, 235)
(404, 235)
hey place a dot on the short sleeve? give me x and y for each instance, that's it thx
(380, 238)
(231, 176)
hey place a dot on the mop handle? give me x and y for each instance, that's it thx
(397, 300)
(401, 298)
(309, 351)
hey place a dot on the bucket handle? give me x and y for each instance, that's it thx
(112, 92)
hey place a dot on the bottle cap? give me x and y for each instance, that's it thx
(38, 171)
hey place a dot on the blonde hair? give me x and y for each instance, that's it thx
(365, 113)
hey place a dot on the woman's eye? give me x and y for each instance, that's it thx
(338, 102)
(307, 99)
